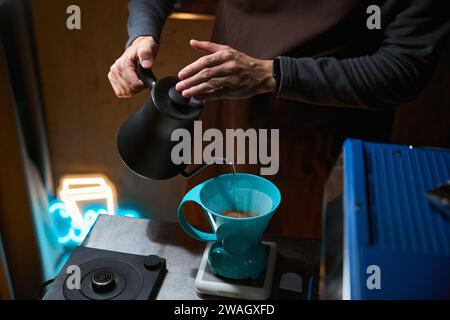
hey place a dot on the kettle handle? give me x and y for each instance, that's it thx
(146, 75)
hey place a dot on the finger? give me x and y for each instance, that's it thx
(202, 88)
(216, 94)
(207, 46)
(203, 76)
(145, 55)
(204, 62)
(125, 75)
(129, 75)
(112, 81)
(124, 89)
(118, 90)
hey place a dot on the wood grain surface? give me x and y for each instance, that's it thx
(82, 112)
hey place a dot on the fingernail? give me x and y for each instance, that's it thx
(146, 63)
(182, 74)
(186, 93)
(179, 86)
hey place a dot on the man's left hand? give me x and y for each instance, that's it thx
(225, 73)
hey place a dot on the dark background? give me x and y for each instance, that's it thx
(80, 116)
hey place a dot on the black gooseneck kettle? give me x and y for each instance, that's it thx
(144, 140)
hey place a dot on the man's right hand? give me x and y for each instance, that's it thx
(122, 74)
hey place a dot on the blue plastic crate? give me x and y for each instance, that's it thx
(389, 221)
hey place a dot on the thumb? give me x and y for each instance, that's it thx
(207, 46)
(145, 55)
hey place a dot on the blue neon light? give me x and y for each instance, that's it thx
(69, 232)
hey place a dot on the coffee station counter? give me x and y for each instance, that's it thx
(183, 254)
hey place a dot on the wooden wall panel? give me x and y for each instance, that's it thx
(426, 121)
(16, 218)
(82, 112)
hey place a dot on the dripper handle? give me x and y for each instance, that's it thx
(145, 75)
(193, 195)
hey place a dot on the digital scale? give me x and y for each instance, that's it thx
(208, 283)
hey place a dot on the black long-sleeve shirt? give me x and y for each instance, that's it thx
(394, 73)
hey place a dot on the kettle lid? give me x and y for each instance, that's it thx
(167, 99)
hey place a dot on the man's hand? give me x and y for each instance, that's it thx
(225, 73)
(122, 74)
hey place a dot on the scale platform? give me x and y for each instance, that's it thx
(209, 283)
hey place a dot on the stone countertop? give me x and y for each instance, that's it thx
(183, 253)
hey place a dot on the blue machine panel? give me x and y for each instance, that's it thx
(390, 223)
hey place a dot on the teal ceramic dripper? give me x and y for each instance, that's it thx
(237, 252)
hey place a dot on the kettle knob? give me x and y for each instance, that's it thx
(177, 97)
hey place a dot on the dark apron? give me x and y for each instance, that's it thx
(310, 136)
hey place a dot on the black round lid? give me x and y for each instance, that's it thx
(169, 101)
